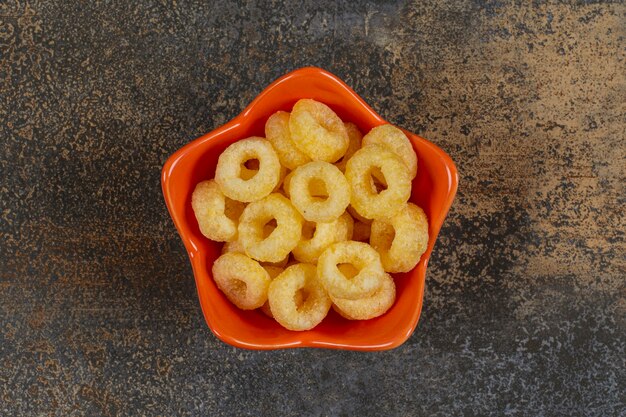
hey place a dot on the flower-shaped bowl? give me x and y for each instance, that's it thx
(433, 190)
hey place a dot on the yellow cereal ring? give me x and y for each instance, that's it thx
(360, 255)
(217, 214)
(318, 236)
(316, 188)
(394, 139)
(231, 175)
(368, 307)
(242, 280)
(297, 299)
(309, 180)
(317, 131)
(354, 137)
(401, 240)
(277, 132)
(237, 247)
(365, 200)
(247, 173)
(285, 237)
(273, 272)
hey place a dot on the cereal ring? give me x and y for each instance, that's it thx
(247, 173)
(242, 280)
(297, 299)
(316, 188)
(217, 214)
(368, 307)
(249, 169)
(237, 247)
(354, 137)
(281, 240)
(366, 201)
(318, 236)
(317, 131)
(308, 180)
(360, 255)
(396, 141)
(402, 240)
(273, 272)
(277, 132)
(231, 179)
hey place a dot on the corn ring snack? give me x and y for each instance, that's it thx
(217, 214)
(247, 173)
(285, 237)
(297, 299)
(316, 188)
(363, 257)
(396, 141)
(365, 200)
(318, 236)
(273, 272)
(401, 240)
(326, 177)
(277, 132)
(237, 247)
(317, 131)
(242, 280)
(354, 144)
(368, 307)
(229, 175)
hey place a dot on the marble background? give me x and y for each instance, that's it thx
(525, 304)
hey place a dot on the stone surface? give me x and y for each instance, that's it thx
(525, 305)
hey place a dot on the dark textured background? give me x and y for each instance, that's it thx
(525, 305)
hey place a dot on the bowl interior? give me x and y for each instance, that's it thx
(433, 190)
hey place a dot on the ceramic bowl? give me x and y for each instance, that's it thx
(433, 190)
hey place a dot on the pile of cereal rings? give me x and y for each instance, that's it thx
(313, 216)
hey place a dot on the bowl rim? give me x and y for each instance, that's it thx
(304, 341)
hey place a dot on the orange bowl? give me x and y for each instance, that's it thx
(433, 190)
